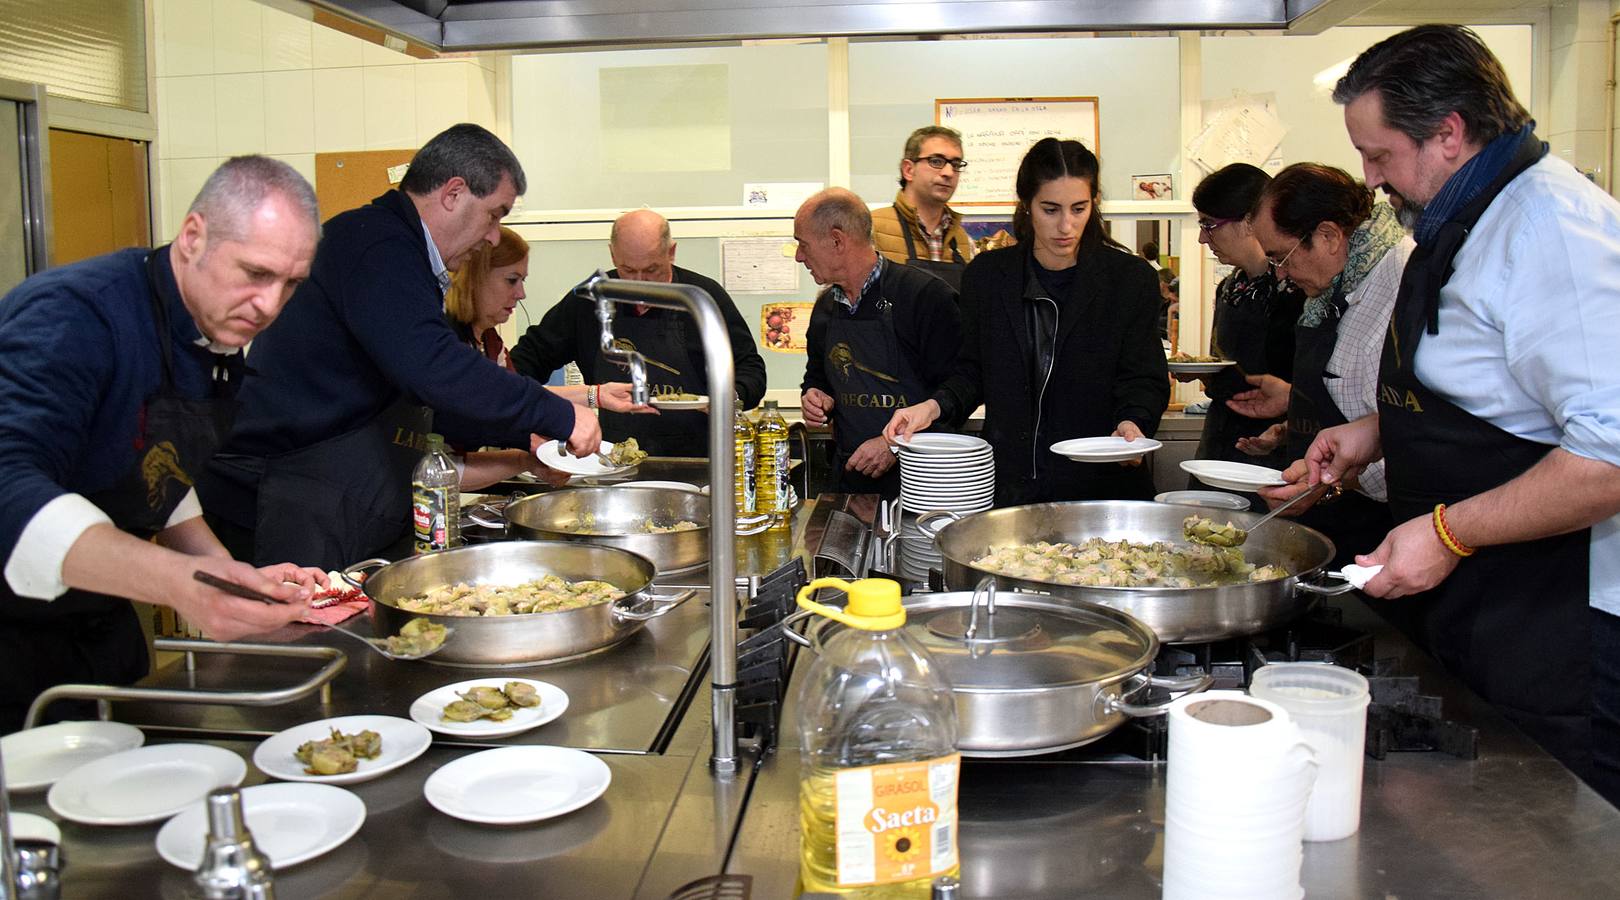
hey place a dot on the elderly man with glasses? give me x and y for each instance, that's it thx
(920, 229)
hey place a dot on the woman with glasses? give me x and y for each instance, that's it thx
(1059, 340)
(1322, 230)
(1253, 321)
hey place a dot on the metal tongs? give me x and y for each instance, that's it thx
(378, 644)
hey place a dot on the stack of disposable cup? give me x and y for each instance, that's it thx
(1234, 810)
(1329, 704)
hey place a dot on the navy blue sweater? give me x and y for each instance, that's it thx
(366, 328)
(78, 359)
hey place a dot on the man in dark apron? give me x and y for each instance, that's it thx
(881, 338)
(920, 229)
(116, 378)
(336, 403)
(643, 250)
(1500, 517)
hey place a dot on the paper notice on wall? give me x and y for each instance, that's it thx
(758, 265)
(396, 174)
(778, 194)
(1246, 129)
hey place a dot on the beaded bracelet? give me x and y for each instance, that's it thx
(1446, 537)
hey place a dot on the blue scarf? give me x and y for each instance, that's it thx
(1466, 183)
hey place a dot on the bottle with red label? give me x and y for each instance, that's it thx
(879, 767)
(436, 499)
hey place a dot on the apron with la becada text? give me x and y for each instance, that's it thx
(870, 379)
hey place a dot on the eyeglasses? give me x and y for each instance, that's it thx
(940, 162)
(1208, 226)
(1279, 263)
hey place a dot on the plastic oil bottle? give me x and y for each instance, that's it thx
(879, 770)
(436, 499)
(771, 461)
(742, 439)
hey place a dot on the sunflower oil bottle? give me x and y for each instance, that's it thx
(742, 439)
(771, 461)
(879, 767)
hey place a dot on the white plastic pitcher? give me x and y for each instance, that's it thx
(1329, 704)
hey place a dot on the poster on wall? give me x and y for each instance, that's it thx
(758, 265)
(1153, 187)
(782, 326)
(997, 132)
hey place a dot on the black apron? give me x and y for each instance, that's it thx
(1354, 522)
(870, 380)
(84, 637)
(344, 499)
(1512, 620)
(948, 272)
(675, 365)
(1240, 334)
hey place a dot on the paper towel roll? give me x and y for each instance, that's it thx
(1239, 778)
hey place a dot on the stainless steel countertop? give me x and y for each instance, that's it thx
(1514, 823)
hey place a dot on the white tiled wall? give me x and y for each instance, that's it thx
(1577, 68)
(237, 77)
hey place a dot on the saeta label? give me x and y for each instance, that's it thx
(896, 822)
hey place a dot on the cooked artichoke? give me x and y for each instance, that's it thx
(1201, 530)
(627, 453)
(418, 637)
(339, 753)
(521, 694)
(331, 759)
(487, 697)
(462, 711)
(365, 745)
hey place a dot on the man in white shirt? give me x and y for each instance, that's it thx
(1499, 395)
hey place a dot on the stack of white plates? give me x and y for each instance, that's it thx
(954, 472)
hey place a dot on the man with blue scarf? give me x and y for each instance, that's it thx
(1499, 396)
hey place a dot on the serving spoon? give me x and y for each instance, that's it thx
(378, 644)
(1232, 536)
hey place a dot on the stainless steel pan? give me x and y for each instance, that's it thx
(486, 641)
(1177, 615)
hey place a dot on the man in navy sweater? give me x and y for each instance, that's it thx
(115, 373)
(341, 392)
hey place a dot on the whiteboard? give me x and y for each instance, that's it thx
(996, 133)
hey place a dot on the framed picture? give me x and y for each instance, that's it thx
(1153, 187)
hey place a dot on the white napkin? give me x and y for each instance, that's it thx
(1359, 575)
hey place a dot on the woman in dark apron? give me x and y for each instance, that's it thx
(85, 637)
(1253, 321)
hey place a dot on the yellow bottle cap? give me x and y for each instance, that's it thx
(874, 603)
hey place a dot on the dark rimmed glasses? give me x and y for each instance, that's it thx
(939, 162)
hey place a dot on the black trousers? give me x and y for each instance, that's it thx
(1606, 705)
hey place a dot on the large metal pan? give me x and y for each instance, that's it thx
(1177, 615)
(520, 640)
(1032, 673)
(618, 517)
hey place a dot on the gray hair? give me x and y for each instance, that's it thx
(237, 189)
(469, 152)
(841, 209)
(915, 142)
(1424, 74)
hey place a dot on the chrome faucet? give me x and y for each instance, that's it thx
(722, 463)
(8, 850)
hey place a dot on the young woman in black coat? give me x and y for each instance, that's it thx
(1059, 340)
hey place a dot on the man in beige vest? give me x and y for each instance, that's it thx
(920, 229)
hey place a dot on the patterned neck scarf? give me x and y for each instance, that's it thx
(1368, 244)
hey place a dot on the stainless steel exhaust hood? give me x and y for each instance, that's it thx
(457, 25)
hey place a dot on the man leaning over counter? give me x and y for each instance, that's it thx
(643, 250)
(1498, 395)
(340, 393)
(115, 377)
(920, 229)
(881, 336)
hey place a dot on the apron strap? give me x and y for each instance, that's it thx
(905, 232)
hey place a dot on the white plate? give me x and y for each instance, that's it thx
(701, 403)
(29, 827)
(948, 496)
(1231, 476)
(146, 784)
(402, 741)
(509, 785)
(36, 758)
(671, 485)
(932, 442)
(1105, 449)
(555, 455)
(1211, 499)
(942, 457)
(1200, 368)
(962, 480)
(428, 709)
(291, 823)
